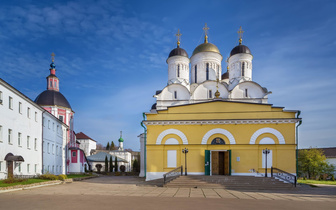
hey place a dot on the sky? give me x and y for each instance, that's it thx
(111, 55)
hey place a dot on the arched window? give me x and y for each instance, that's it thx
(207, 71)
(195, 73)
(217, 140)
(243, 69)
(246, 93)
(50, 83)
(178, 70)
(175, 94)
(210, 93)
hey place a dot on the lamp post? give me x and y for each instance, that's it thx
(185, 151)
(266, 151)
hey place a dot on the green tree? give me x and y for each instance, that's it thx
(312, 164)
(106, 164)
(108, 146)
(112, 146)
(111, 165)
(115, 164)
(136, 167)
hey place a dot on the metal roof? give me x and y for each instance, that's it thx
(100, 157)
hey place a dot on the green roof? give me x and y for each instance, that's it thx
(121, 139)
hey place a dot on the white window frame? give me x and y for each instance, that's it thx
(269, 159)
(10, 136)
(19, 139)
(28, 142)
(10, 103)
(1, 133)
(28, 165)
(20, 107)
(35, 144)
(28, 112)
(35, 116)
(171, 158)
(1, 102)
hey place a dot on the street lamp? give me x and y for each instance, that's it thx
(185, 151)
(266, 151)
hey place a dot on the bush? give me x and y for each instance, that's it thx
(12, 180)
(62, 177)
(49, 177)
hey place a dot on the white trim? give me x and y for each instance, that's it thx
(267, 130)
(221, 122)
(171, 131)
(171, 141)
(218, 131)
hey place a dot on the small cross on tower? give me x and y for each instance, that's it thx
(178, 36)
(52, 57)
(240, 34)
(206, 28)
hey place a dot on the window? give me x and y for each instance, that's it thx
(35, 144)
(52, 148)
(60, 118)
(35, 116)
(10, 102)
(52, 169)
(56, 150)
(49, 124)
(53, 126)
(28, 141)
(207, 71)
(0, 166)
(217, 141)
(57, 130)
(28, 168)
(195, 73)
(243, 69)
(48, 148)
(9, 136)
(178, 70)
(28, 112)
(19, 167)
(171, 158)
(20, 107)
(19, 139)
(210, 93)
(55, 83)
(175, 94)
(35, 168)
(0, 133)
(246, 93)
(43, 121)
(269, 159)
(0, 98)
(50, 83)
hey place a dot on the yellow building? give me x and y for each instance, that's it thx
(225, 122)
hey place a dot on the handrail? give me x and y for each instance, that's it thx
(173, 174)
(283, 175)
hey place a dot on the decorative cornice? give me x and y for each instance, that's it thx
(219, 122)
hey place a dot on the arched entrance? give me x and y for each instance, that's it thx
(10, 158)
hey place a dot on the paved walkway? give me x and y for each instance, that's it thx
(120, 188)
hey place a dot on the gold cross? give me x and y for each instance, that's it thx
(52, 57)
(178, 36)
(206, 28)
(240, 34)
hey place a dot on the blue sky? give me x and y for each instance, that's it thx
(111, 55)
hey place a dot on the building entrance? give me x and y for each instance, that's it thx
(220, 163)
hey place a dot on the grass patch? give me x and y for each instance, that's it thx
(25, 182)
(316, 182)
(70, 176)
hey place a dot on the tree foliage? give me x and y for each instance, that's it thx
(136, 166)
(108, 146)
(115, 165)
(312, 164)
(100, 147)
(106, 164)
(112, 146)
(111, 164)
(99, 167)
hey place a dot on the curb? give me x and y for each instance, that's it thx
(31, 186)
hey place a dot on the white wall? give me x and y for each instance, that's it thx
(54, 143)
(18, 122)
(87, 145)
(124, 155)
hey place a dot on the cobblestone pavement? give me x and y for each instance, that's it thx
(120, 188)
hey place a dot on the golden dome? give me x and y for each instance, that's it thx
(206, 47)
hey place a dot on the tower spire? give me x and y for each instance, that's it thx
(178, 36)
(240, 34)
(205, 29)
(52, 80)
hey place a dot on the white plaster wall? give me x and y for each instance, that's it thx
(235, 64)
(202, 91)
(173, 62)
(200, 59)
(255, 91)
(87, 145)
(27, 126)
(54, 158)
(124, 155)
(167, 98)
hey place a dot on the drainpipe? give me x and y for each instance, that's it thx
(297, 143)
(145, 138)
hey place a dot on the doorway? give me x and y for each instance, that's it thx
(220, 162)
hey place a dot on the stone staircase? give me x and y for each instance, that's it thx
(229, 182)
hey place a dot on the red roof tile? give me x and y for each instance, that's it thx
(81, 135)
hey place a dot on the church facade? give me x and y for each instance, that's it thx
(222, 119)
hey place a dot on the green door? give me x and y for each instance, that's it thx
(207, 162)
